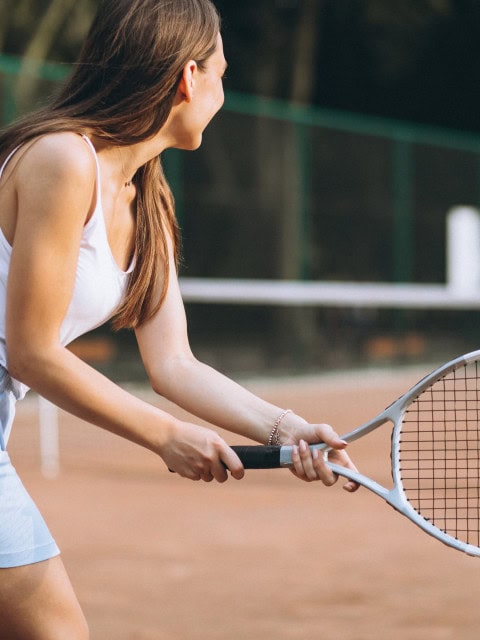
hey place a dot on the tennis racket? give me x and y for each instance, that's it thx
(435, 455)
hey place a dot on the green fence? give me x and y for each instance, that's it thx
(402, 141)
(284, 191)
(402, 136)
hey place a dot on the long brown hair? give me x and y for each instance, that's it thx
(122, 89)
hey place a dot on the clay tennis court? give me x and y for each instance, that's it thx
(156, 557)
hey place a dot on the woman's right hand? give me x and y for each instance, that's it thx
(198, 453)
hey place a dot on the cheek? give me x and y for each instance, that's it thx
(215, 91)
(222, 97)
(219, 98)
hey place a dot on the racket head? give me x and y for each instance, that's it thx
(436, 453)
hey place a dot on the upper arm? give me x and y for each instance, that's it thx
(164, 337)
(54, 182)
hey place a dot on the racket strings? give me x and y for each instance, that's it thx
(439, 454)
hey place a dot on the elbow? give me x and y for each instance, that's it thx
(24, 363)
(166, 377)
(19, 364)
(161, 381)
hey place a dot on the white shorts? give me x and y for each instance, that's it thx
(24, 536)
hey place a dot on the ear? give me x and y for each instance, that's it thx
(186, 86)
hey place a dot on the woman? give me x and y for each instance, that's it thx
(88, 233)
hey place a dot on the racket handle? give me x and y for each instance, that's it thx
(258, 456)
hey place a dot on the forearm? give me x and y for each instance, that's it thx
(213, 397)
(76, 387)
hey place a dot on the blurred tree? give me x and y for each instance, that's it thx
(39, 47)
(40, 30)
(62, 22)
(413, 59)
(4, 14)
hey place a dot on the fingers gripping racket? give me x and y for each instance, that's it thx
(435, 456)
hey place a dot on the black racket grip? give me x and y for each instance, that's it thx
(258, 456)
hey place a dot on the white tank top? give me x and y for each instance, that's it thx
(100, 284)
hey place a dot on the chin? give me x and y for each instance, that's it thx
(196, 144)
(191, 144)
(194, 140)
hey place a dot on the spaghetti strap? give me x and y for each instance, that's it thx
(97, 164)
(7, 160)
(93, 150)
(90, 144)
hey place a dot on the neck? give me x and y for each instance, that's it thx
(122, 162)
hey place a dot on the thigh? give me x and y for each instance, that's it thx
(37, 602)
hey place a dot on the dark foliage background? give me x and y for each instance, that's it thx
(409, 60)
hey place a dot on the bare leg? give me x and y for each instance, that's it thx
(37, 602)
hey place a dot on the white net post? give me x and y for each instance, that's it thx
(49, 438)
(463, 250)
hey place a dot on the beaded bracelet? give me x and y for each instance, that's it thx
(274, 438)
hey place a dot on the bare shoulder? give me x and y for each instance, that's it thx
(62, 158)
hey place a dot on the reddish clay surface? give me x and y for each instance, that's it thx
(156, 557)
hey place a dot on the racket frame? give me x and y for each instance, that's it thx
(394, 413)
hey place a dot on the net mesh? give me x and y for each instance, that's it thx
(439, 454)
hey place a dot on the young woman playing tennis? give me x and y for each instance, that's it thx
(88, 233)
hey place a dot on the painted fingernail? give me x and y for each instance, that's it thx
(315, 454)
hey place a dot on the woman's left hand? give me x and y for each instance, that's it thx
(310, 465)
